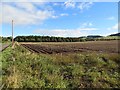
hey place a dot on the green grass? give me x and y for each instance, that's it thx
(111, 37)
(78, 70)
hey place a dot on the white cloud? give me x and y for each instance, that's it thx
(63, 14)
(106, 34)
(59, 32)
(90, 24)
(24, 0)
(60, 15)
(24, 13)
(65, 32)
(115, 27)
(86, 24)
(111, 18)
(81, 31)
(59, 0)
(26, 6)
(55, 16)
(78, 5)
(88, 29)
(69, 4)
(85, 5)
(56, 4)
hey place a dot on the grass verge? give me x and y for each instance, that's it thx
(23, 69)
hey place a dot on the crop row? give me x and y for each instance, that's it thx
(97, 46)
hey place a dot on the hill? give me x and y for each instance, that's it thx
(117, 34)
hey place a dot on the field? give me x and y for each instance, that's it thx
(50, 48)
(61, 65)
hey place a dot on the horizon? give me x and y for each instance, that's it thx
(60, 19)
(61, 36)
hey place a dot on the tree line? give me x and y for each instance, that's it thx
(56, 39)
(46, 39)
(5, 39)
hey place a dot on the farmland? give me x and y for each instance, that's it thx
(61, 65)
(59, 44)
(98, 46)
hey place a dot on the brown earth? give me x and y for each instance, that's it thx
(71, 47)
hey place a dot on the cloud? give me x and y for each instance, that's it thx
(88, 29)
(59, 32)
(60, 15)
(24, 0)
(111, 18)
(69, 4)
(65, 32)
(83, 30)
(63, 14)
(85, 5)
(55, 16)
(87, 24)
(26, 6)
(56, 4)
(115, 27)
(59, 0)
(78, 5)
(24, 13)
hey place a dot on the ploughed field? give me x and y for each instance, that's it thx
(22, 69)
(71, 47)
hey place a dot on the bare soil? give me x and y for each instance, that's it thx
(93, 46)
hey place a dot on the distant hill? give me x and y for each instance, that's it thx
(117, 34)
(94, 36)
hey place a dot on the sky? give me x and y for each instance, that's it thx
(63, 19)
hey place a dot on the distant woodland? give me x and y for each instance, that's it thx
(61, 39)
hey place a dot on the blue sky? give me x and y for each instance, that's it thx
(67, 19)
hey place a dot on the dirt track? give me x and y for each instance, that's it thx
(3, 46)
